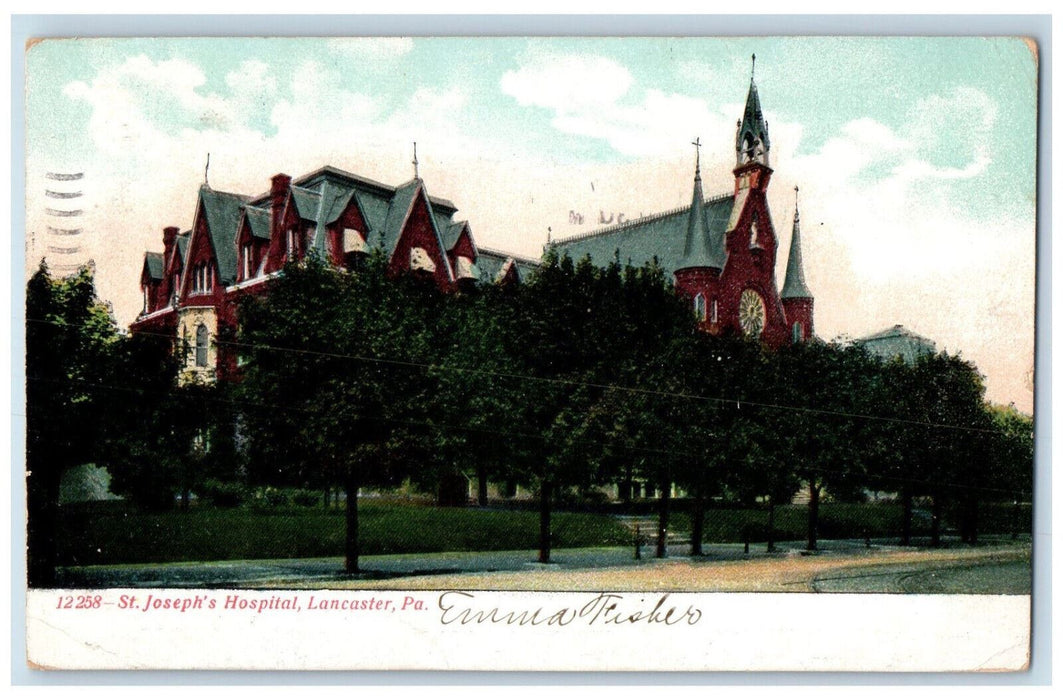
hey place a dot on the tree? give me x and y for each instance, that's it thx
(335, 379)
(826, 400)
(69, 336)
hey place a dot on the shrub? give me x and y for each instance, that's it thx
(224, 494)
(306, 498)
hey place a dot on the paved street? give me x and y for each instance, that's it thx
(841, 566)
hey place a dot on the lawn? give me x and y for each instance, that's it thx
(841, 521)
(117, 533)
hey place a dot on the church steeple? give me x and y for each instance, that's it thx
(700, 249)
(751, 140)
(794, 286)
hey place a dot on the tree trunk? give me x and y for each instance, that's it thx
(970, 517)
(326, 497)
(625, 494)
(697, 529)
(351, 549)
(664, 503)
(771, 523)
(186, 496)
(906, 517)
(42, 490)
(813, 513)
(935, 522)
(481, 484)
(544, 522)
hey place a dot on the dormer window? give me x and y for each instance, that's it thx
(465, 268)
(147, 305)
(421, 261)
(699, 306)
(247, 260)
(202, 279)
(353, 241)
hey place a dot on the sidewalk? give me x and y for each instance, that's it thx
(257, 573)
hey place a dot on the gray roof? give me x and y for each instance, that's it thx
(451, 231)
(306, 202)
(703, 246)
(400, 206)
(753, 119)
(492, 262)
(661, 236)
(897, 341)
(154, 263)
(794, 286)
(223, 211)
(258, 221)
(182, 246)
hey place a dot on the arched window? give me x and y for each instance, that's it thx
(715, 312)
(201, 345)
(798, 332)
(699, 306)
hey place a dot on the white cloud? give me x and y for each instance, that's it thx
(594, 96)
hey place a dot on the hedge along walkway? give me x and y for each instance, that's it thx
(791, 573)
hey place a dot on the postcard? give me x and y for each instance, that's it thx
(530, 353)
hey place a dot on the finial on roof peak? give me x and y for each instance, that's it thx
(696, 143)
(206, 172)
(416, 175)
(753, 71)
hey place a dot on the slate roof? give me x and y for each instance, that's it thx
(897, 341)
(259, 221)
(223, 211)
(704, 245)
(491, 262)
(661, 236)
(753, 119)
(400, 206)
(450, 231)
(154, 263)
(794, 286)
(182, 246)
(306, 202)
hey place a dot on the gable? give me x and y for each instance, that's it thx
(417, 232)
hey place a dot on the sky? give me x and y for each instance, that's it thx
(915, 157)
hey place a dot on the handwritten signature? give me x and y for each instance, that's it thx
(463, 608)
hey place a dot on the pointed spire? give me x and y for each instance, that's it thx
(794, 286)
(751, 142)
(701, 248)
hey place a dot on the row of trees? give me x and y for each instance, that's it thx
(580, 377)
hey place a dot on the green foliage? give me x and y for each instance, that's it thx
(69, 395)
(223, 494)
(118, 533)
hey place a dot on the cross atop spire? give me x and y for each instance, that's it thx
(797, 214)
(416, 176)
(696, 143)
(751, 140)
